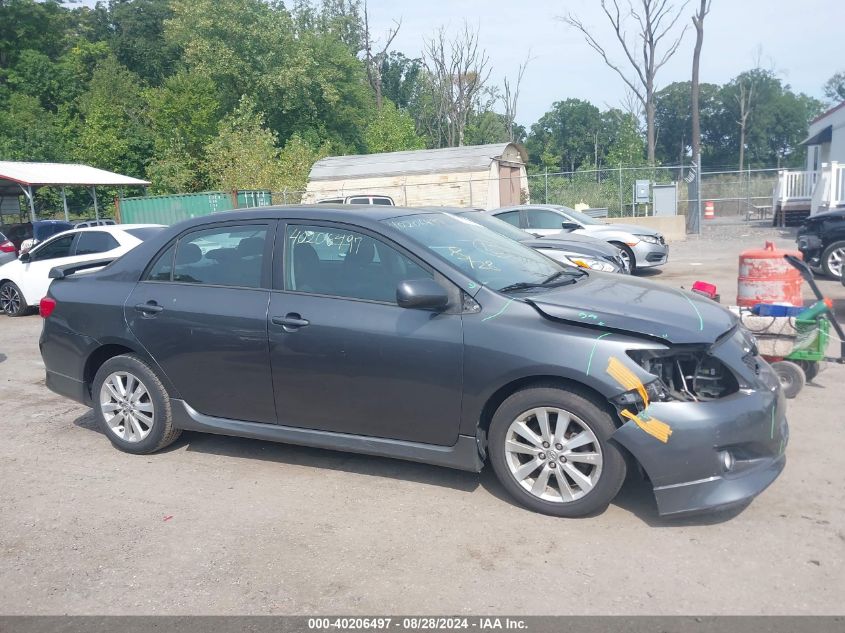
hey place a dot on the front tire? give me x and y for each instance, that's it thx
(833, 260)
(550, 448)
(12, 301)
(132, 406)
(627, 256)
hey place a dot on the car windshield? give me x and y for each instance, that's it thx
(495, 224)
(483, 255)
(144, 233)
(582, 218)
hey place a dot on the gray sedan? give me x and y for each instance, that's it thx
(642, 247)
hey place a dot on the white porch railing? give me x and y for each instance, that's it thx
(823, 189)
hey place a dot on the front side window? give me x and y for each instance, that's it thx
(340, 263)
(59, 247)
(543, 219)
(90, 242)
(511, 217)
(222, 256)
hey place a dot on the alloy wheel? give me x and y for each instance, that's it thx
(553, 454)
(626, 259)
(835, 260)
(10, 300)
(127, 406)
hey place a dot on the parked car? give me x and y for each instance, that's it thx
(27, 234)
(8, 252)
(419, 335)
(821, 240)
(24, 281)
(81, 224)
(641, 247)
(578, 250)
(379, 200)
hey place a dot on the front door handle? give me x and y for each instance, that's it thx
(291, 321)
(148, 308)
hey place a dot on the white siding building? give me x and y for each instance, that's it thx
(482, 176)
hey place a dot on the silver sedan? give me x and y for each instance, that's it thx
(641, 247)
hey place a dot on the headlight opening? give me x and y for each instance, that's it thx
(686, 375)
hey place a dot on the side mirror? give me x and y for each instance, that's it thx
(25, 258)
(569, 226)
(421, 294)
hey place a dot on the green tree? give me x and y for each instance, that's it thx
(243, 155)
(111, 132)
(628, 148)
(565, 137)
(400, 78)
(295, 162)
(391, 130)
(137, 37)
(28, 132)
(29, 25)
(834, 88)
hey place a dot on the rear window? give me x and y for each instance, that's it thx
(144, 233)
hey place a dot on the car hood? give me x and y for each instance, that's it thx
(593, 247)
(590, 229)
(627, 304)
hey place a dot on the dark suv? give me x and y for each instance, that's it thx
(821, 239)
(37, 231)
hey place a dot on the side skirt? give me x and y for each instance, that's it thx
(463, 455)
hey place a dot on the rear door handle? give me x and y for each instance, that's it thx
(290, 322)
(148, 308)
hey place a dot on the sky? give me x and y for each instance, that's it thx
(800, 40)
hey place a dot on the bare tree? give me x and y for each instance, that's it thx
(511, 96)
(373, 61)
(653, 21)
(745, 100)
(698, 22)
(458, 71)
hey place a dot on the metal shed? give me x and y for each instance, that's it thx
(20, 178)
(485, 176)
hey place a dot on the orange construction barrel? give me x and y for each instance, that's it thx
(709, 210)
(766, 277)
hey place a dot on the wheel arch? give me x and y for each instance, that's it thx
(109, 349)
(505, 391)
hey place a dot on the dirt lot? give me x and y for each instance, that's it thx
(219, 525)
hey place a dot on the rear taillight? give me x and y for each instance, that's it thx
(7, 247)
(46, 307)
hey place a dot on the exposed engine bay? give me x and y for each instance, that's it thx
(686, 375)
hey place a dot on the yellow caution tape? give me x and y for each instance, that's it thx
(652, 426)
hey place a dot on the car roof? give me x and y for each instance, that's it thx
(519, 207)
(340, 212)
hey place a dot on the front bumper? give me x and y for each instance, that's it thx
(811, 248)
(688, 471)
(648, 255)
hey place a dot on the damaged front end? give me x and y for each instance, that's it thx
(706, 422)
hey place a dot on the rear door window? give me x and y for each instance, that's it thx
(90, 242)
(222, 256)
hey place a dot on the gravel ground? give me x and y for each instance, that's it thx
(218, 525)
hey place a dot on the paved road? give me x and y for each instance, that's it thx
(220, 525)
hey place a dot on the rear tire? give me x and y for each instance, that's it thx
(12, 301)
(566, 434)
(791, 377)
(132, 406)
(833, 260)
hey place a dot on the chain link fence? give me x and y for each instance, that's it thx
(735, 194)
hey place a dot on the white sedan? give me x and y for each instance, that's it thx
(24, 281)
